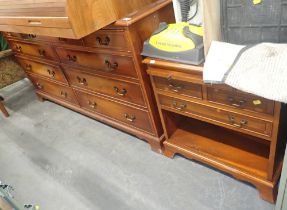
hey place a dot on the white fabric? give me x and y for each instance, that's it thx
(261, 70)
(220, 58)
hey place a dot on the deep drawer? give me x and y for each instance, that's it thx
(228, 119)
(126, 114)
(45, 69)
(38, 50)
(107, 39)
(121, 65)
(63, 92)
(178, 87)
(227, 96)
(123, 90)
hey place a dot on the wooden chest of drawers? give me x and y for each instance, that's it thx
(100, 75)
(236, 132)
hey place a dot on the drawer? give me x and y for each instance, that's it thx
(178, 87)
(107, 39)
(123, 90)
(29, 37)
(63, 92)
(44, 69)
(12, 34)
(120, 65)
(34, 37)
(217, 116)
(125, 114)
(38, 50)
(241, 100)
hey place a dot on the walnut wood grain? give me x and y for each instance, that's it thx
(64, 18)
(126, 114)
(108, 39)
(106, 62)
(60, 91)
(122, 90)
(38, 50)
(110, 72)
(243, 138)
(234, 121)
(43, 68)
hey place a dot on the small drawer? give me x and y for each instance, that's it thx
(123, 113)
(120, 65)
(107, 39)
(123, 90)
(12, 34)
(29, 37)
(241, 100)
(44, 69)
(56, 40)
(242, 123)
(38, 50)
(63, 92)
(178, 87)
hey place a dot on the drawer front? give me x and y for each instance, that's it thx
(29, 37)
(178, 87)
(122, 90)
(44, 69)
(39, 50)
(126, 114)
(107, 39)
(121, 65)
(218, 116)
(60, 91)
(34, 37)
(237, 99)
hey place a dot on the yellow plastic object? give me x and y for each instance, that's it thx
(257, 102)
(173, 39)
(255, 2)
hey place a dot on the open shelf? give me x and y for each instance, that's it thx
(219, 146)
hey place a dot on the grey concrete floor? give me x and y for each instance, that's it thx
(62, 160)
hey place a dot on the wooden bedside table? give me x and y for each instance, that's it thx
(233, 131)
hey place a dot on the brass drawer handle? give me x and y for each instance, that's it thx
(181, 107)
(92, 104)
(82, 81)
(104, 42)
(235, 103)
(39, 86)
(111, 67)
(119, 92)
(130, 118)
(72, 58)
(51, 73)
(64, 94)
(28, 67)
(31, 36)
(18, 48)
(232, 121)
(172, 86)
(42, 52)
